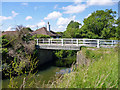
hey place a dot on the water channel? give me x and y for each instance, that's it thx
(44, 74)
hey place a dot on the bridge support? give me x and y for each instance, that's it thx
(81, 59)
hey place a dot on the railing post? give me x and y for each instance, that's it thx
(49, 41)
(37, 41)
(43, 40)
(72, 41)
(83, 41)
(77, 41)
(62, 41)
(98, 43)
(112, 42)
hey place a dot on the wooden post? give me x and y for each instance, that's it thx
(62, 41)
(37, 41)
(77, 41)
(98, 43)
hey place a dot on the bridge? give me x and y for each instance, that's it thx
(74, 43)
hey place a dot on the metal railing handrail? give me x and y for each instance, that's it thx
(77, 41)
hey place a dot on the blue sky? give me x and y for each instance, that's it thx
(59, 14)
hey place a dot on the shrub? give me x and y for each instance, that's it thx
(40, 36)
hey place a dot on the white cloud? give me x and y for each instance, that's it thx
(25, 4)
(65, 21)
(5, 18)
(28, 17)
(100, 2)
(14, 14)
(80, 7)
(60, 28)
(74, 8)
(40, 24)
(53, 15)
(88, 15)
(8, 29)
(31, 26)
(78, 1)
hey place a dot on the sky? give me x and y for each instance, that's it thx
(36, 14)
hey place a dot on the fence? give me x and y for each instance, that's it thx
(78, 42)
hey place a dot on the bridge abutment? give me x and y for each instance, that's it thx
(81, 59)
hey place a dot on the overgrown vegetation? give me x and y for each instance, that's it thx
(18, 46)
(65, 58)
(17, 68)
(103, 73)
(40, 36)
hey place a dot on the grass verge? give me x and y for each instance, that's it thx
(101, 73)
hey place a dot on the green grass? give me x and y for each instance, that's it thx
(101, 73)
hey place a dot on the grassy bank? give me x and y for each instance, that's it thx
(102, 71)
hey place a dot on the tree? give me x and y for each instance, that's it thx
(18, 45)
(72, 29)
(117, 34)
(99, 24)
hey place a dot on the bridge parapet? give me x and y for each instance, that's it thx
(74, 43)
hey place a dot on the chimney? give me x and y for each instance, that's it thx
(48, 27)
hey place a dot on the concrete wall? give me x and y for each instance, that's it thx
(44, 56)
(81, 59)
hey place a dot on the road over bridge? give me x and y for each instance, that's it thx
(74, 43)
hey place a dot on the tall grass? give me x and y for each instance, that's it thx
(101, 73)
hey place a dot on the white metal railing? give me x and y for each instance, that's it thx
(78, 42)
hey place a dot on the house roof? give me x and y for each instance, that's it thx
(9, 32)
(44, 31)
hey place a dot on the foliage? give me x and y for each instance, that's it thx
(40, 36)
(103, 73)
(72, 29)
(17, 68)
(61, 33)
(100, 24)
(118, 29)
(65, 57)
(5, 42)
(91, 55)
(18, 46)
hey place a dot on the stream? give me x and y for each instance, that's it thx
(45, 74)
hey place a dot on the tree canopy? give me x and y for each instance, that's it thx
(72, 29)
(100, 24)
